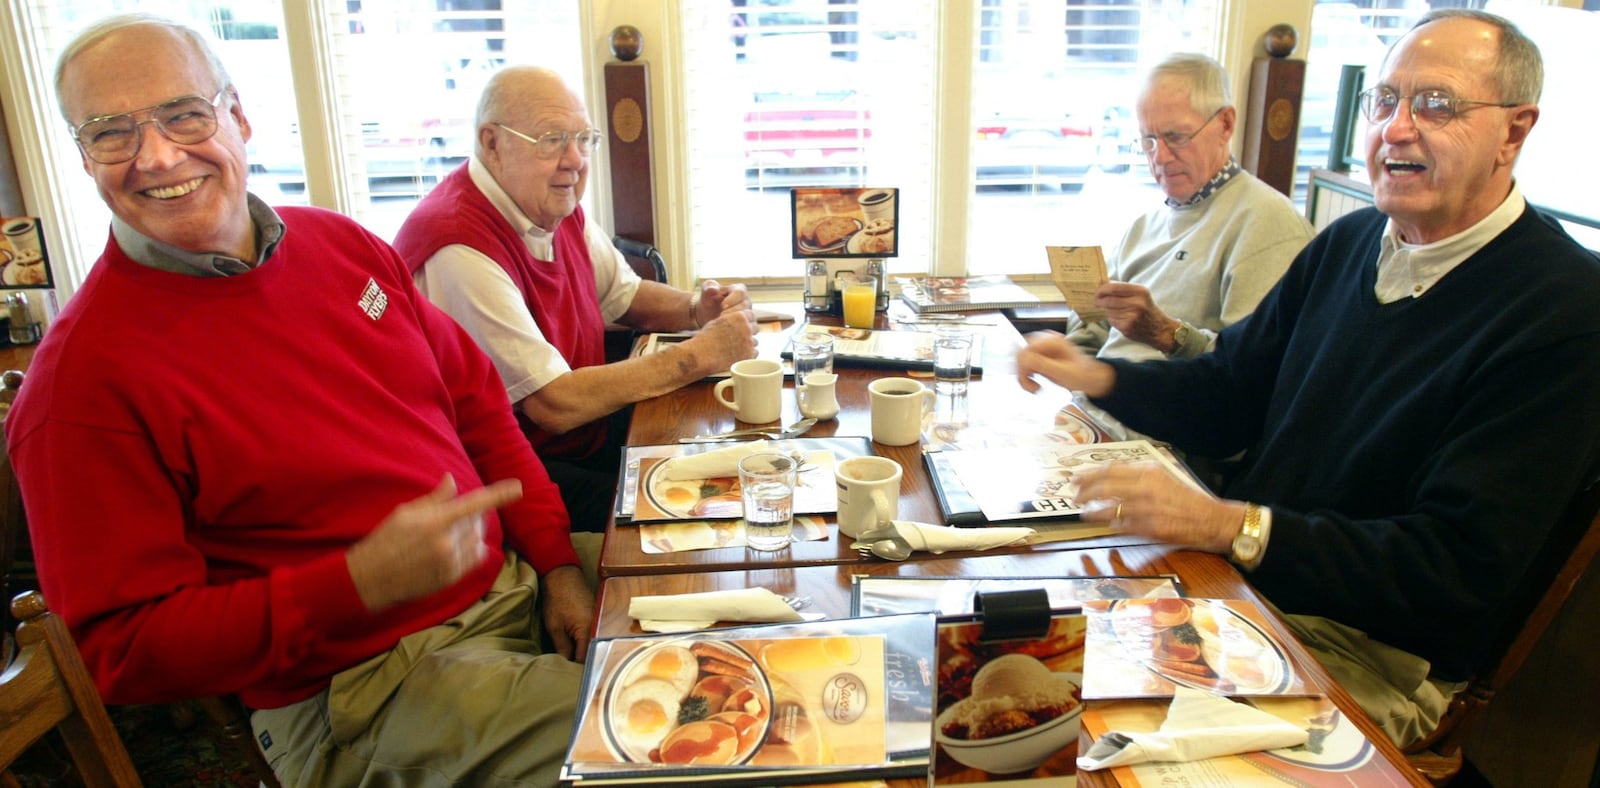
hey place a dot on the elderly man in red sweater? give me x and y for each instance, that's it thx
(257, 462)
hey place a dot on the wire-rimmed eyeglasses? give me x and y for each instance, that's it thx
(1431, 109)
(1174, 139)
(114, 139)
(554, 143)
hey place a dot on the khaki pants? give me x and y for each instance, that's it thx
(1392, 686)
(468, 702)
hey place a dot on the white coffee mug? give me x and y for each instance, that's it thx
(898, 405)
(757, 385)
(869, 493)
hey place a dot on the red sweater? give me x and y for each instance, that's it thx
(196, 455)
(560, 293)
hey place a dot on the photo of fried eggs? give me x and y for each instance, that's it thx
(688, 702)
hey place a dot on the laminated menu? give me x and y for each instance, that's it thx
(1031, 480)
(1336, 753)
(700, 481)
(1143, 648)
(1009, 707)
(811, 702)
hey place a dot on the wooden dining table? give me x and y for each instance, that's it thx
(693, 410)
(827, 590)
(823, 571)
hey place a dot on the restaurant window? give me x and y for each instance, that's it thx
(784, 93)
(403, 79)
(1053, 153)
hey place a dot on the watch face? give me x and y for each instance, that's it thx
(1246, 548)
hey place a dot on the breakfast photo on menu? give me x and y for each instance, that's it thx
(831, 222)
(23, 262)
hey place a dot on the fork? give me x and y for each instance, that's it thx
(794, 430)
(797, 602)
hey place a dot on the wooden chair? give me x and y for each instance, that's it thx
(48, 687)
(1568, 553)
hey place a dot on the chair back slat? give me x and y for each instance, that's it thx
(47, 686)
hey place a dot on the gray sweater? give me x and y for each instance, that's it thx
(1207, 264)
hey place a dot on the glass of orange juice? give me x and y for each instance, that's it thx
(860, 302)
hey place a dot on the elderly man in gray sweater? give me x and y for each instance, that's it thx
(1220, 241)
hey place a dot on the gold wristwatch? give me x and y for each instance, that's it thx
(1247, 543)
(1180, 337)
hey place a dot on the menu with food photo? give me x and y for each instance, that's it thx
(23, 260)
(879, 595)
(1336, 753)
(817, 701)
(845, 222)
(700, 481)
(865, 347)
(1035, 479)
(1008, 710)
(1141, 648)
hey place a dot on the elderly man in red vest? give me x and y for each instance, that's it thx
(504, 246)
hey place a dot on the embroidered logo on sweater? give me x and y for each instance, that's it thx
(373, 300)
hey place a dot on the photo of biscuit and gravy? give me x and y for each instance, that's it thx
(844, 222)
(1010, 706)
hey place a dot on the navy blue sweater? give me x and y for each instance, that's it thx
(1415, 454)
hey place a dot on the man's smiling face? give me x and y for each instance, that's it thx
(1436, 182)
(189, 196)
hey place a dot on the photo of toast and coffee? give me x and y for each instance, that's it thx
(22, 258)
(831, 222)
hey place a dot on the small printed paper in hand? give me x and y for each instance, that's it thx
(1078, 271)
(678, 537)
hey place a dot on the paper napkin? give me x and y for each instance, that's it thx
(942, 538)
(1199, 725)
(688, 612)
(714, 464)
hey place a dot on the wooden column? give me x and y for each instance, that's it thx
(1272, 120)
(628, 145)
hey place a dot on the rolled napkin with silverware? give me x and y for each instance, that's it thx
(712, 464)
(1199, 725)
(689, 612)
(943, 538)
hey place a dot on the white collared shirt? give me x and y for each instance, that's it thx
(480, 295)
(1408, 270)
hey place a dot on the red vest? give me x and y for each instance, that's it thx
(560, 294)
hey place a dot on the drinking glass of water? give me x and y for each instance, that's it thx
(952, 359)
(766, 483)
(813, 352)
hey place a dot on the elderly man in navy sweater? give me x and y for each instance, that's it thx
(1418, 399)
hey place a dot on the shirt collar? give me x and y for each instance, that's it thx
(538, 239)
(163, 256)
(1226, 174)
(1406, 269)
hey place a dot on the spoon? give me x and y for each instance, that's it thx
(884, 542)
(794, 430)
(893, 548)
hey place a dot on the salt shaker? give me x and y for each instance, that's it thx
(23, 330)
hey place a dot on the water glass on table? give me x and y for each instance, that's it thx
(766, 483)
(813, 352)
(952, 359)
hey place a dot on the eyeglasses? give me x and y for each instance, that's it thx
(1175, 140)
(114, 139)
(554, 143)
(1430, 109)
